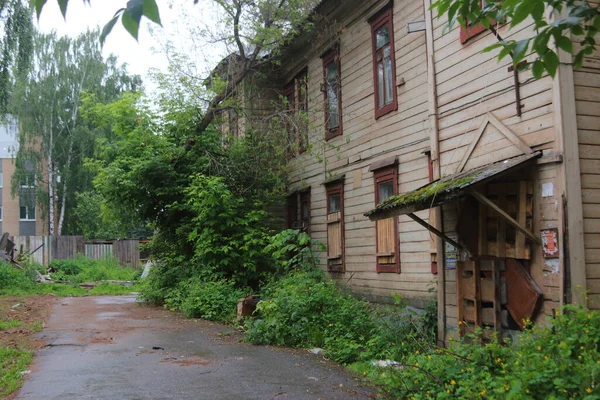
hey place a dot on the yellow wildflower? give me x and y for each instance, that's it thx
(453, 382)
(539, 348)
(589, 390)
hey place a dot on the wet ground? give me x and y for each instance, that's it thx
(114, 348)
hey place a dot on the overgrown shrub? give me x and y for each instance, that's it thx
(557, 361)
(306, 309)
(214, 300)
(12, 279)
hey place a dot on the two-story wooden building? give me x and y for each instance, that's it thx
(427, 164)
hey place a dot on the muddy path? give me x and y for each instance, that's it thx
(114, 348)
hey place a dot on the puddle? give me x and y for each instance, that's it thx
(115, 300)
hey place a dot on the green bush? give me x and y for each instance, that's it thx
(305, 309)
(83, 269)
(12, 279)
(557, 361)
(212, 300)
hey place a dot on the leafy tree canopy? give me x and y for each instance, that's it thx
(569, 25)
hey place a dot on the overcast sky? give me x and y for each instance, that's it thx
(145, 54)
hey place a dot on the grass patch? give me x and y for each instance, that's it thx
(12, 363)
(4, 325)
(83, 269)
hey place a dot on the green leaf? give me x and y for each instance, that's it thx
(520, 50)
(109, 26)
(63, 7)
(39, 5)
(151, 11)
(135, 9)
(130, 24)
(551, 62)
(522, 12)
(564, 43)
(538, 69)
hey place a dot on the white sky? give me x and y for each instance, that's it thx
(146, 54)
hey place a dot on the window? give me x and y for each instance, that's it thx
(0, 212)
(332, 93)
(305, 211)
(27, 213)
(293, 220)
(0, 179)
(27, 179)
(384, 63)
(472, 30)
(296, 97)
(302, 96)
(292, 211)
(388, 257)
(335, 227)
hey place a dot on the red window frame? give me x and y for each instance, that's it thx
(385, 18)
(333, 189)
(471, 31)
(332, 57)
(385, 175)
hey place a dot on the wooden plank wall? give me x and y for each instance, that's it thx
(52, 247)
(471, 84)
(98, 251)
(127, 252)
(404, 134)
(587, 102)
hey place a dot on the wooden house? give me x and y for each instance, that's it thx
(427, 164)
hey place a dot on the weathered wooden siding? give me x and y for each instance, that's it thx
(48, 248)
(98, 251)
(587, 100)
(403, 133)
(127, 251)
(471, 84)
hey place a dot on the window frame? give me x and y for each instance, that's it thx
(27, 216)
(385, 17)
(383, 175)
(301, 86)
(470, 31)
(332, 56)
(304, 198)
(291, 210)
(334, 188)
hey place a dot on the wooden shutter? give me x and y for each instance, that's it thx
(387, 251)
(335, 229)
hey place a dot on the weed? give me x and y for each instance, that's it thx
(12, 363)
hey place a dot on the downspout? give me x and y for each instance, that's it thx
(436, 213)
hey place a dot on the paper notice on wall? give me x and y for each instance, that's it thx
(547, 189)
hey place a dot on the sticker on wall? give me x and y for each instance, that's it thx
(450, 261)
(550, 242)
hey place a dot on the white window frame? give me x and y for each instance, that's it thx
(27, 214)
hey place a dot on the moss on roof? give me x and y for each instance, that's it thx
(426, 193)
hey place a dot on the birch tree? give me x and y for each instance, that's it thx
(46, 102)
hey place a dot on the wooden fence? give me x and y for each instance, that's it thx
(44, 249)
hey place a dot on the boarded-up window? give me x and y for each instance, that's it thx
(388, 257)
(335, 227)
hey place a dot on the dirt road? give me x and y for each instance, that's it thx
(113, 348)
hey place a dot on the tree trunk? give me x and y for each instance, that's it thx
(61, 218)
(50, 188)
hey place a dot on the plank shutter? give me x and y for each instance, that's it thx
(387, 256)
(496, 237)
(335, 227)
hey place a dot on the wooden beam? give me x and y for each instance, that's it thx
(510, 135)
(474, 142)
(433, 230)
(487, 202)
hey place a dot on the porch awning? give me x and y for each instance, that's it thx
(447, 188)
